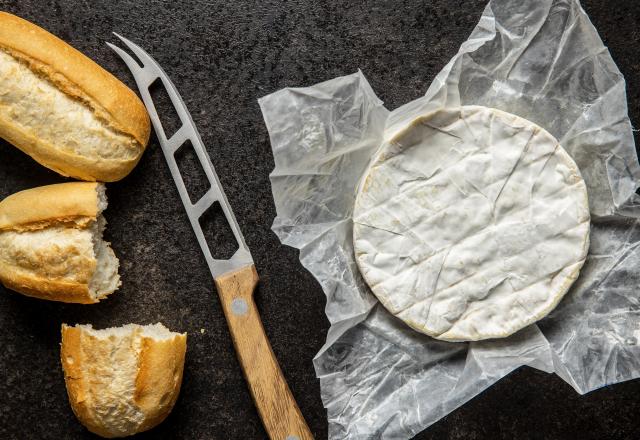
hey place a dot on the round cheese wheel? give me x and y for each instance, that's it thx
(471, 224)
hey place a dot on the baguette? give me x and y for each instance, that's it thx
(51, 244)
(64, 110)
(123, 380)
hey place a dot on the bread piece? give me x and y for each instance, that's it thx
(122, 380)
(51, 244)
(64, 110)
(471, 223)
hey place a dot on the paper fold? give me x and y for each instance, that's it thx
(543, 61)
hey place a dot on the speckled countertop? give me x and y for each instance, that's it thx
(223, 55)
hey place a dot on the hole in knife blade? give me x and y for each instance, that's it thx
(218, 233)
(193, 176)
(164, 107)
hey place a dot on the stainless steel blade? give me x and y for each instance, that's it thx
(145, 76)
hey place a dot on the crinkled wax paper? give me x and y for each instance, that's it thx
(542, 60)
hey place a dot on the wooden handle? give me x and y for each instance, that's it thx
(278, 409)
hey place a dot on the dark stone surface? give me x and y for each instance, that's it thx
(223, 56)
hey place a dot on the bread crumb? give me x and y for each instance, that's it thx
(202, 330)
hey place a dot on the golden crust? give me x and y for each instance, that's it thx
(64, 163)
(40, 207)
(79, 77)
(159, 378)
(157, 386)
(72, 358)
(75, 204)
(12, 277)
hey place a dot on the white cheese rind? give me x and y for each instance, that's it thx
(471, 224)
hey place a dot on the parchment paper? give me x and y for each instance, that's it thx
(542, 60)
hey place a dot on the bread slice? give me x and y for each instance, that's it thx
(64, 110)
(51, 244)
(122, 380)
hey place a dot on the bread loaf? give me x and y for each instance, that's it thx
(51, 244)
(64, 110)
(123, 380)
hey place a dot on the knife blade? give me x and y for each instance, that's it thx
(235, 278)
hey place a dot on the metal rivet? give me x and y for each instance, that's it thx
(292, 437)
(240, 307)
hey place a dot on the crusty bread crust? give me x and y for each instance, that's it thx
(159, 378)
(73, 201)
(28, 284)
(72, 361)
(157, 385)
(73, 205)
(65, 163)
(80, 78)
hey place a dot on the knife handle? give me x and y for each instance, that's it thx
(278, 409)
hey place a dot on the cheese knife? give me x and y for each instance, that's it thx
(235, 278)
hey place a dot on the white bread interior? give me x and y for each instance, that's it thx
(64, 110)
(61, 260)
(40, 108)
(122, 380)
